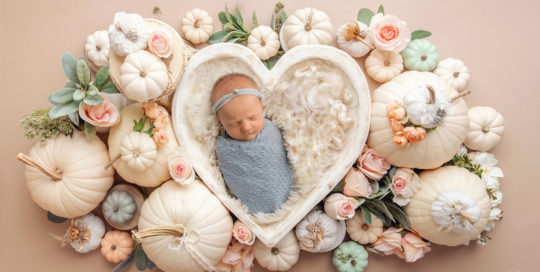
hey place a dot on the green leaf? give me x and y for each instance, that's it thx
(381, 9)
(74, 117)
(271, 62)
(140, 259)
(150, 265)
(55, 218)
(379, 205)
(93, 90)
(70, 84)
(93, 100)
(69, 64)
(61, 96)
(83, 72)
(229, 27)
(110, 88)
(233, 40)
(419, 34)
(391, 172)
(374, 211)
(223, 18)
(239, 19)
(254, 20)
(397, 213)
(90, 130)
(138, 125)
(233, 34)
(284, 15)
(102, 76)
(366, 214)
(125, 263)
(365, 15)
(273, 22)
(78, 95)
(64, 109)
(374, 186)
(218, 37)
(230, 17)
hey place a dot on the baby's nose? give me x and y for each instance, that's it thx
(246, 127)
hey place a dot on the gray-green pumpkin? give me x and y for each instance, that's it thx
(119, 207)
(420, 55)
(350, 257)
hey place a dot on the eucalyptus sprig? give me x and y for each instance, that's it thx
(141, 260)
(234, 30)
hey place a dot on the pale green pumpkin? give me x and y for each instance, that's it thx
(119, 207)
(420, 55)
(350, 257)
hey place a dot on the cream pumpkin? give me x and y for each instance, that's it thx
(451, 208)
(485, 130)
(307, 26)
(197, 26)
(453, 71)
(155, 173)
(317, 232)
(281, 256)
(264, 42)
(128, 33)
(143, 76)
(362, 232)
(138, 151)
(74, 180)
(97, 48)
(200, 227)
(383, 66)
(356, 46)
(440, 144)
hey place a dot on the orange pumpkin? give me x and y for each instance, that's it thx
(116, 246)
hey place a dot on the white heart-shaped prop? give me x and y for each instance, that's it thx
(320, 164)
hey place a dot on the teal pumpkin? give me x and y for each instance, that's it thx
(119, 207)
(420, 55)
(350, 257)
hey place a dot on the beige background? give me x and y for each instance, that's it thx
(497, 40)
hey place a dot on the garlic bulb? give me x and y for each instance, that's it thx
(456, 211)
(84, 233)
(426, 106)
(129, 33)
(353, 39)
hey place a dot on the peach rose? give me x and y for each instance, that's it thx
(389, 242)
(103, 115)
(160, 43)
(414, 134)
(160, 137)
(242, 233)
(405, 183)
(356, 184)
(340, 207)
(180, 166)
(396, 110)
(388, 33)
(400, 139)
(159, 123)
(373, 166)
(395, 125)
(151, 109)
(413, 247)
(237, 258)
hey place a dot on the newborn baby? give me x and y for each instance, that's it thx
(250, 151)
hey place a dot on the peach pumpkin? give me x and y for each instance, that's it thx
(116, 246)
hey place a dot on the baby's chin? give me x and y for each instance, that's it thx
(245, 137)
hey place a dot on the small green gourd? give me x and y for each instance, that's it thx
(420, 55)
(119, 207)
(350, 257)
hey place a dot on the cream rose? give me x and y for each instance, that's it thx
(356, 184)
(389, 242)
(180, 166)
(103, 115)
(242, 233)
(373, 166)
(160, 43)
(238, 258)
(389, 33)
(405, 183)
(413, 247)
(340, 207)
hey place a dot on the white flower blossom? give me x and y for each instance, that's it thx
(498, 195)
(490, 173)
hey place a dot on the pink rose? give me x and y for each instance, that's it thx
(151, 109)
(405, 183)
(340, 207)
(389, 242)
(388, 33)
(373, 166)
(242, 233)
(237, 258)
(414, 134)
(159, 123)
(396, 110)
(356, 184)
(400, 139)
(413, 247)
(103, 115)
(160, 137)
(395, 125)
(180, 166)
(160, 43)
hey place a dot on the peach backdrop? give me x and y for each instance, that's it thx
(497, 40)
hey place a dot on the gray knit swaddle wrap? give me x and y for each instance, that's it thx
(257, 172)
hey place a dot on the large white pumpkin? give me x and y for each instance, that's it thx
(307, 26)
(143, 76)
(447, 184)
(147, 174)
(193, 208)
(440, 144)
(84, 181)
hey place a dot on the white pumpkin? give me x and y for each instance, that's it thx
(485, 130)
(76, 181)
(197, 26)
(129, 33)
(155, 173)
(362, 232)
(143, 76)
(317, 232)
(451, 208)
(97, 48)
(354, 46)
(426, 106)
(453, 71)
(264, 42)
(307, 26)
(84, 233)
(440, 144)
(206, 225)
(280, 257)
(383, 66)
(138, 151)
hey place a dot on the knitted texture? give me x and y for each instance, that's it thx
(257, 171)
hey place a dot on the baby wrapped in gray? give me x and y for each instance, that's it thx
(257, 171)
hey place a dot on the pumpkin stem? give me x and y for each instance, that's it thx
(456, 74)
(112, 161)
(308, 24)
(197, 24)
(263, 42)
(358, 38)
(461, 94)
(485, 129)
(353, 262)
(467, 216)
(116, 209)
(386, 62)
(113, 247)
(431, 98)
(275, 250)
(56, 175)
(158, 231)
(143, 73)
(117, 27)
(98, 47)
(423, 57)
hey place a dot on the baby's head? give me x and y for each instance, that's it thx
(242, 117)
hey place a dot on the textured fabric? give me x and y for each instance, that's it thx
(257, 172)
(226, 98)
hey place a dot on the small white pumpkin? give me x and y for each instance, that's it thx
(143, 76)
(84, 234)
(138, 151)
(383, 66)
(307, 26)
(129, 33)
(317, 232)
(453, 71)
(426, 106)
(264, 42)
(76, 181)
(197, 26)
(485, 130)
(280, 257)
(192, 209)
(348, 39)
(362, 232)
(451, 208)
(97, 48)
